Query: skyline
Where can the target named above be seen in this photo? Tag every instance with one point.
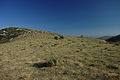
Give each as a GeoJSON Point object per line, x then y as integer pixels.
{"type": "Point", "coordinates": [68, 17]}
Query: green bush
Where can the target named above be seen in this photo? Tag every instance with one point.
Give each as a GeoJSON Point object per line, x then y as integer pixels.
{"type": "Point", "coordinates": [56, 38]}
{"type": "Point", "coordinates": [61, 37]}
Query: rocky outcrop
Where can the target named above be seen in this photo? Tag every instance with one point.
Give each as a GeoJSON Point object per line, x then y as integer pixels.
{"type": "Point", "coordinates": [10, 33]}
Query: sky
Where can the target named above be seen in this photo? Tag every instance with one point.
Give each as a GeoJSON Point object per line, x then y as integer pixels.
{"type": "Point", "coordinates": [92, 18]}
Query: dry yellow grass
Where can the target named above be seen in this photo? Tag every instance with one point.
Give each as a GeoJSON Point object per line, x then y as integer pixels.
{"type": "Point", "coordinates": [78, 58]}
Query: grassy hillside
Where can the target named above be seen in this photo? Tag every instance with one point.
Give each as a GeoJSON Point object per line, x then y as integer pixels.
{"type": "Point", "coordinates": [40, 55]}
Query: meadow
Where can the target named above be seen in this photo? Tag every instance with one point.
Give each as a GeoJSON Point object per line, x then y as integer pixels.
{"type": "Point", "coordinates": [40, 55]}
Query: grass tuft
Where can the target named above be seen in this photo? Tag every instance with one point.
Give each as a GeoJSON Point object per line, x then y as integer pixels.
{"type": "Point", "coordinates": [50, 63]}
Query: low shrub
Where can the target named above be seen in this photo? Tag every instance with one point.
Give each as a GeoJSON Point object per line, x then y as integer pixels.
{"type": "Point", "coordinates": [56, 38]}
{"type": "Point", "coordinates": [61, 37]}
{"type": "Point", "coordinates": [49, 63]}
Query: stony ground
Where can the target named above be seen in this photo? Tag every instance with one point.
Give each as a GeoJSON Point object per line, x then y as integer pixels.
{"type": "Point", "coordinates": [40, 56]}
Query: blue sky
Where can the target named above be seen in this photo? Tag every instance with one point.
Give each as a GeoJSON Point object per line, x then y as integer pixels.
{"type": "Point", "coordinates": [92, 18]}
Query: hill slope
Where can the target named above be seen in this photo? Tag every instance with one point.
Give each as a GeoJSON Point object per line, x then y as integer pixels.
{"type": "Point", "coordinates": [39, 55]}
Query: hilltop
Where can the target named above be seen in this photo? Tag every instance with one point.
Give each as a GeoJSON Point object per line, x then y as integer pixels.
{"type": "Point", "coordinates": [8, 34]}
{"type": "Point", "coordinates": [27, 54]}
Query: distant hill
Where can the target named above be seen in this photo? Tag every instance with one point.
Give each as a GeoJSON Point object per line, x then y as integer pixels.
{"type": "Point", "coordinates": [114, 39]}
{"type": "Point", "coordinates": [105, 37]}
